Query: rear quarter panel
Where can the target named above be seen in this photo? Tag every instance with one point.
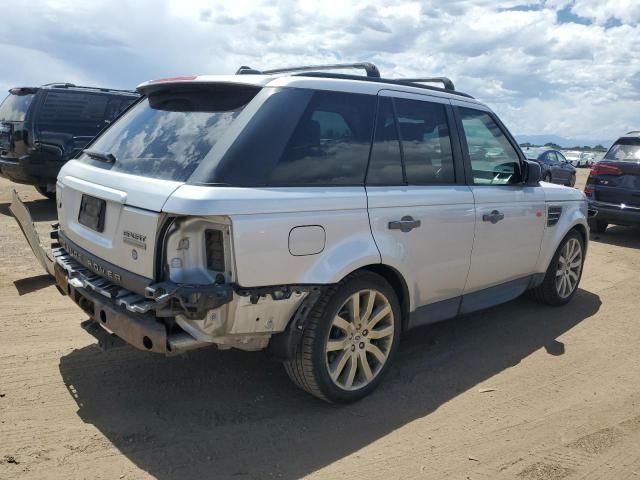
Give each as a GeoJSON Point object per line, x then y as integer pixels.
{"type": "Point", "coordinates": [262, 220]}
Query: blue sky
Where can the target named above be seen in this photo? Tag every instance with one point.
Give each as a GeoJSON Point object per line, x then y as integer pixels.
{"type": "Point", "coordinates": [570, 68]}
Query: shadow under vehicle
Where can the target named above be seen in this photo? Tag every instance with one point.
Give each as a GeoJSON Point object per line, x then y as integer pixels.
{"type": "Point", "coordinates": [233, 415]}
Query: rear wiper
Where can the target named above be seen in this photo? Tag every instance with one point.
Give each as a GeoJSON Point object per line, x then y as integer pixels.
{"type": "Point", "coordinates": [103, 156]}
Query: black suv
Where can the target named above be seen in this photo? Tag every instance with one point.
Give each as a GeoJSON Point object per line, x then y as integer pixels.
{"type": "Point", "coordinates": [43, 127]}
{"type": "Point", "coordinates": [613, 186]}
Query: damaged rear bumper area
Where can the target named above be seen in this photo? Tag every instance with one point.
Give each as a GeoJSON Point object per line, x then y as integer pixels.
{"type": "Point", "coordinates": [143, 322]}
{"type": "Point", "coordinates": [117, 313]}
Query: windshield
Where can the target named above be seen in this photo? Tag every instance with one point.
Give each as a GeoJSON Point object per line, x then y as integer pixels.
{"type": "Point", "coordinates": [625, 149]}
{"type": "Point", "coordinates": [169, 132]}
{"type": "Point", "coordinates": [14, 108]}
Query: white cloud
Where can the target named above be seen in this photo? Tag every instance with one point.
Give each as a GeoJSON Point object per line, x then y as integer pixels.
{"type": "Point", "coordinates": [539, 74]}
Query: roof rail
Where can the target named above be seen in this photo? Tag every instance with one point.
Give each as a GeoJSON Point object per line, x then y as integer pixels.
{"type": "Point", "coordinates": [370, 69]}
{"type": "Point", "coordinates": [72, 85]}
{"type": "Point", "coordinates": [633, 132]}
{"type": "Point", "coordinates": [446, 82]}
{"type": "Point", "coordinates": [59, 84]}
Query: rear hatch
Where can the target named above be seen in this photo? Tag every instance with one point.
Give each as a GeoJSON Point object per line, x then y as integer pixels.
{"type": "Point", "coordinates": [616, 179]}
{"type": "Point", "coordinates": [111, 197]}
{"type": "Point", "coordinates": [13, 113]}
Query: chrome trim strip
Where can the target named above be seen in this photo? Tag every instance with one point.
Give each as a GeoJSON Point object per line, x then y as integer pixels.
{"type": "Point", "coordinates": [618, 206]}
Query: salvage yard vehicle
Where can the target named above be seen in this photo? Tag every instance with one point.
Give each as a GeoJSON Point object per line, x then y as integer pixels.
{"type": "Point", "coordinates": [316, 215]}
{"type": "Point", "coordinates": [613, 186]}
{"type": "Point", "coordinates": [43, 127]}
{"type": "Point", "coordinates": [556, 168]}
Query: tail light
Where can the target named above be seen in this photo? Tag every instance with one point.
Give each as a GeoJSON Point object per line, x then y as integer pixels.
{"type": "Point", "coordinates": [588, 190]}
{"type": "Point", "coordinates": [600, 169]}
{"type": "Point", "coordinates": [197, 251]}
{"type": "Point", "coordinates": [214, 245]}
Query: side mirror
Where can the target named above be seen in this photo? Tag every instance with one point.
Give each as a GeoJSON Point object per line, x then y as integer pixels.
{"type": "Point", "coordinates": [532, 173]}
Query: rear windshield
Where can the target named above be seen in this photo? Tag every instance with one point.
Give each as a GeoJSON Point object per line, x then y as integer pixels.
{"type": "Point", "coordinates": [14, 108]}
{"type": "Point", "coordinates": [169, 132]}
{"type": "Point", "coordinates": [625, 149]}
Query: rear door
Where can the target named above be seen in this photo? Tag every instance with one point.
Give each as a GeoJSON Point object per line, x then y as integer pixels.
{"type": "Point", "coordinates": [509, 215]}
{"type": "Point", "coordinates": [421, 213]}
{"type": "Point", "coordinates": [565, 167]}
{"type": "Point", "coordinates": [557, 175]}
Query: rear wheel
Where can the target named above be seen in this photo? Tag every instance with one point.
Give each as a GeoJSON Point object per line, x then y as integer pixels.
{"type": "Point", "coordinates": [572, 181]}
{"type": "Point", "coordinates": [563, 275]}
{"type": "Point", "coordinates": [597, 226]}
{"type": "Point", "coordinates": [349, 341]}
{"type": "Point", "coordinates": [42, 190]}
{"type": "Point", "coordinates": [547, 178]}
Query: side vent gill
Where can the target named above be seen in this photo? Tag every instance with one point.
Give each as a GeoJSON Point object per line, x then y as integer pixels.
{"type": "Point", "coordinates": [553, 214]}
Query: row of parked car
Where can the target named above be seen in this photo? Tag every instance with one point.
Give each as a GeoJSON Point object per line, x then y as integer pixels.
{"type": "Point", "coordinates": [613, 185]}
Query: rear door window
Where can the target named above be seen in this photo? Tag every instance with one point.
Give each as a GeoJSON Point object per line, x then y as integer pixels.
{"type": "Point", "coordinates": [14, 108]}
{"type": "Point", "coordinates": [330, 144]}
{"type": "Point", "coordinates": [426, 145]}
{"type": "Point", "coordinates": [167, 134]}
{"type": "Point", "coordinates": [494, 161]}
{"type": "Point", "coordinates": [69, 109]}
{"type": "Point", "coordinates": [116, 105]}
{"type": "Point", "coordinates": [385, 165]}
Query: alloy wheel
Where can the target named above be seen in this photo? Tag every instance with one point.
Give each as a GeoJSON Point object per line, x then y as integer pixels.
{"type": "Point", "coordinates": [360, 339]}
{"type": "Point", "coordinates": [569, 268]}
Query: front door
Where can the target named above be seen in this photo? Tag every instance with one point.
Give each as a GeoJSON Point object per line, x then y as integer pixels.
{"type": "Point", "coordinates": [509, 215]}
{"type": "Point", "coordinates": [421, 213]}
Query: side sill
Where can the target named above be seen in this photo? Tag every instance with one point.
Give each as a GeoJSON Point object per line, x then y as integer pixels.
{"type": "Point", "coordinates": [434, 312]}
{"type": "Point", "coordinates": [494, 295]}
{"type": "Point", "coordinates": [471, 302]}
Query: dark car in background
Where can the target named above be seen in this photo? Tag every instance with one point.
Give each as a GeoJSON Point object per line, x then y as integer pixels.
{"type": "Point", "coordinates": [43, 127]}
{"type": "Point", "coordinates": [613, 186]}
{"type": "Point", "coordinates": [556, 168]}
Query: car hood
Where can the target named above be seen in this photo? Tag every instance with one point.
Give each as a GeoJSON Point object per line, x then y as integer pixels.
{"type": "Point", "coordinates": [559, 193]}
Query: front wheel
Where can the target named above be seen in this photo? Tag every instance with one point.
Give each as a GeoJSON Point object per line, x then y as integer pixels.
{"type": "Point", "coordinates": [349, 341]}
{"type": "Point", "coordinates": [547, 178]}
{"type": "Point", "coordinates": [563, 275]}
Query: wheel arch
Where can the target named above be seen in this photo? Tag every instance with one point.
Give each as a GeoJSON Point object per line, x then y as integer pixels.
{"type": "Point", "coordinates": [584, 234]}
{"type": "Point", "coordinates": [399, 285]}
{"type": "Point", "coordinates": [282, 345]}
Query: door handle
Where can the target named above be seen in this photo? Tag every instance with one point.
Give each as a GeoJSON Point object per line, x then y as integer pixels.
{"type": "Point", "coordinates": [405, 224]}
{"type": "Point", "coordinates": [493, 217]}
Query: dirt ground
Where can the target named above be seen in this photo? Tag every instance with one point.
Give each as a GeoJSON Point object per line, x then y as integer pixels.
{"type": "Point", "coordinates": [564, 399]}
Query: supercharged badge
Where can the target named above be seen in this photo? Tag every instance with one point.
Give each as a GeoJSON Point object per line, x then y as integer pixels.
{"type": "Point", "coordinates": [133, 238]}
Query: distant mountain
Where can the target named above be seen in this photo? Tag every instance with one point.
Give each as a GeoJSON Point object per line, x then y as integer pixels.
{"type": "Point", "coordinates": [563, 142]}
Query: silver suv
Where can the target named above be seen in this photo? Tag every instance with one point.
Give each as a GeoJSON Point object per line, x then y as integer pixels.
{"type": "Point", "coordinates": [319, 216]}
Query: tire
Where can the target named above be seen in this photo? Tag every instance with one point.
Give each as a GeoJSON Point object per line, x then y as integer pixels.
{"type": "Point", "coordinates": [547, 178]}
{"type": "Point", "coordinates": [597, 226]}
{"type": "Point", "coordinates": [42, 190]}
{"type": "Point", "coordinates": [331, 320]}
{"type": "Point", "coordinates": [572, 181]}
{"type": "Point", "coordinates": [551, 290]}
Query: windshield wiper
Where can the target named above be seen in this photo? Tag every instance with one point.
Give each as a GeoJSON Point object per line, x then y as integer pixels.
{"type": "Point", "coordinates": [103, 156]}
